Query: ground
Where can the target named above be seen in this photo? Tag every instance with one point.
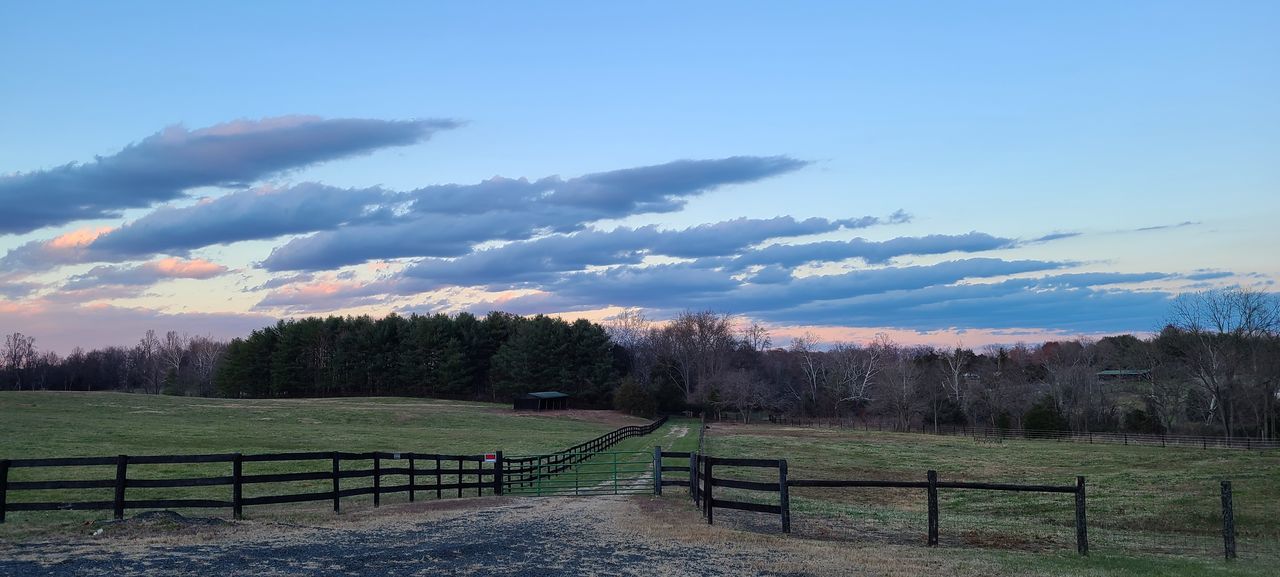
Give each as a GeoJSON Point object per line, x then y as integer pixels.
{"type": "Point", "coordinates": [547, 536]}
{"type": "Point", "coordinates": [1142, 501]}
{"type": "Point", "coordinates": [1153, 511]}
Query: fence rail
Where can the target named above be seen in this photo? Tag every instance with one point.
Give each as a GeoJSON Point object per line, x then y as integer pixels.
{"type": "Point", "coordinates": [453, 475]}
{"type": "Point", "coordinates": [999, 434]}
{"type": "Point", "coordinates": [525, 471]}
{"type": "Point", "coordinates": [483, 475]}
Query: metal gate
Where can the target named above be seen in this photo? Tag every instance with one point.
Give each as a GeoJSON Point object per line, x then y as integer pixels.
{"type": "Point", "coordinates": [599, 473]}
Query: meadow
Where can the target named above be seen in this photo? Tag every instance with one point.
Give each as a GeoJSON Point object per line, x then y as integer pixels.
{"type": "Point", "coordinates": [1148, 507]}
{"type": "Point", "coordinates": [58, 424]}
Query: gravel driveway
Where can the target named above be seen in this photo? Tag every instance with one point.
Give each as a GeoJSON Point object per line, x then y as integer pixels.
{"type": "Point", "coordinates": [511, 536]}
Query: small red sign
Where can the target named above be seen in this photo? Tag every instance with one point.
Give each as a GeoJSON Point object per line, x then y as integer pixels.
{"type": "Point", "coordinates": [491, 457]}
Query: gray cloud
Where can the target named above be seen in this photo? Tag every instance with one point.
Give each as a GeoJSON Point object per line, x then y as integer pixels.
{"type": "Point", "coordinates": [447, 220]}
{"type": "Point", "coordinates": [241, 215]}
{"type": "Point", "coordinates": [875, 252]}
{"type": "Point", "coordinates": [164, 165]}
{"type": "Point", "coordinates": [539, 260]}
{"type": "Point", "coordinates": [144, 274]}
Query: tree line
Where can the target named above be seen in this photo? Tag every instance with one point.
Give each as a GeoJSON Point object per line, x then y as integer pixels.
{"type": "Point", "coordinates": [459, 356]}
{"type": "Point", "coordinates": [1213, 369]}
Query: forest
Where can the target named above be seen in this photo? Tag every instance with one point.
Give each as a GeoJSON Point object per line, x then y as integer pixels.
{"type": "Point", "coordinates": [1214, 368]}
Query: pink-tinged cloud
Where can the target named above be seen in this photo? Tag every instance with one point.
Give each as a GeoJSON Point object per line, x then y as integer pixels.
{"type": "Point", "coordinates": [180, 268]}
{"type": "Point", "coordinates": [41, 255]}
{"type": "Point", "coordinates": [60, 328]}
{"type": "Point", "coordinates": [145, 274]}
{"type": "Point", "coordinates": [325, 295]}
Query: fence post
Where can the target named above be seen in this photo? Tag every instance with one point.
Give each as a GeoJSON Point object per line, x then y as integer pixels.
{"type": "Point", "coordinates": [497, 474]}
{"type": "Point", "coordinates": [237, 487]}
{"type": "Point", "coordinates": [438, 478]}
{"type": "Point", "coordinates": [122, 463]}
{"type": "Point", "coordinates": [933, 508]}
{"type": "Point", "coordinates": [693, 476]}
{"type": "Point", "coordinates": [706, 490]}
{"type": "Point", "coordinates": [1082, 528]}
{"type": "Point", "coordinates": [412, 477]}
{"type": "Point", "coordinates": [459, 477]}
{"type": "Point", "coordinates": [1228, 522]}
{"type": "Point", "coordinates": [377, 479]}
{"type": "Point", "coordinates": [657, 470]}
{"type": "Point", "coordinates": [784, 496]}
{"type": "Point", "coordinates": [4, 486]}
{"type": "Point", "coordinates": [336, 459]}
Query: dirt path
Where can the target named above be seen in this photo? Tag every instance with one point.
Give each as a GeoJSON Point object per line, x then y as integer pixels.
{"type": "Point", "coordinates": [532, 536]}
{"type": "Point", "coordinates": [546, 537]}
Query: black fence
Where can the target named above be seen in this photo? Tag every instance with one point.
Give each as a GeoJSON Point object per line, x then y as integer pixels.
{"type": "Point", "coordinates": [411, 473]}
{"type": "Point", "coordinates": [525, 471]}
{"type": "Point", "coordinates": [463, 472]}
{"type": "Point", "coordinates": [999, 434]}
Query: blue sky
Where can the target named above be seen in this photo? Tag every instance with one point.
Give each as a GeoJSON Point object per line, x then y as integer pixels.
{"type": "Point", "coordinates": [991, 124]}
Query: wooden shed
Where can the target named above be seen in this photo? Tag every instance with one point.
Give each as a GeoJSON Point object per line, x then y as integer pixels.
{"type": "Point", "coordinates": [543, 401]}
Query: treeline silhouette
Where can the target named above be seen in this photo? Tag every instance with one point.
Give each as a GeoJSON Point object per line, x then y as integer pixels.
{"type": "Point", "coordinates": [459, 356]}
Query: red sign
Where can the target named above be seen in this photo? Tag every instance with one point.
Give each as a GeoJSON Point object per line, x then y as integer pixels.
{"type": "Point", "coordinates": [491, 457]}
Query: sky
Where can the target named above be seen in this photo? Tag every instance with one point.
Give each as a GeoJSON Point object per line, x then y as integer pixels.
{"type": "Point", "coordinates": [979, 172]}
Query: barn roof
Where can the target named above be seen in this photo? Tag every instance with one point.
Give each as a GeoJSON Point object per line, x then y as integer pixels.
{"type": "Point", "coordinates": [546, 395]}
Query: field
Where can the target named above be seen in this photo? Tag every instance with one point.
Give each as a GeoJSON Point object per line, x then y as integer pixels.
{"type": "Point", "coordinates": [1152, 511]}
{"type": "Point", "coordinates": [47, 424]}
{"type": "Point", "coordinates": [1147, 506]}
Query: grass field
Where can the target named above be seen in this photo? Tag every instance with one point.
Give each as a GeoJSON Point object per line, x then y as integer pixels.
{"type": "Point", "coordinates": [1149, 508]}
{"type": "Point", "coordinates": [46, 424]}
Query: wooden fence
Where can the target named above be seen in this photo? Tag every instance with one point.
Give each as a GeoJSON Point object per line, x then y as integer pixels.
{"type": "Point", "coordinates": [451, 473]}
{"type": "Point", "coordinates": [524, 471]}
{"type": "Point", "coordinates": [483, 475]}
{"type": "Point", "coordinates": [1000, 434]}
{"type": "Point", "coordinates": [700, 477]}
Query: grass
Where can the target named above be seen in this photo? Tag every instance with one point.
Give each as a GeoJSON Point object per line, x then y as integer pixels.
{"type": "Point", "coordinates": [1150, 509]}
{"type": "Point", "coordinates": [49, 424]}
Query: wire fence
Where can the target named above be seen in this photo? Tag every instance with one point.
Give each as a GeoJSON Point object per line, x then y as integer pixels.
{"type": "Point", "coordinates": [999, 434]}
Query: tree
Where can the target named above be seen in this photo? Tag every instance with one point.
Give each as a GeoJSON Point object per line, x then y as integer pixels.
{"type": "Point", "coordinates": [19, 355]}
{"type": "Point", "coordinates": [1219, 337]}
{"type": "Point", "coordinates": [697, 347]}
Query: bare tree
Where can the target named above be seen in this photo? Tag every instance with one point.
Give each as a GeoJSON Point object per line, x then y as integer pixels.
{"type": "Point", "coordinates": [19, 355]}
{"type": "Point", "coordinates": [757, 337]}
{"type": "Point", "coordinates": [812, 366]}
{"type": "Point", "coordinates": [205, 354]}
{"type": "Point", "coordinates": [148, 363]}
{"type": "Point", "coordinates": [172, 350]}
{"type": "Point", "coordinates": [854, 369]}
{"type": "Point", "coordinates": [1219, 335]}
{"type": "Point", "coordinates": [901, 379]}
{"type": "Point", "coordinates": [633, 331]}
{"type": "Point", "coordinates": [698, 346]}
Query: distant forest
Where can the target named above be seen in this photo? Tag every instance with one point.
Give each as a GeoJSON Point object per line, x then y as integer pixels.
{"type": "Point", "coordinates": [1213, 369]}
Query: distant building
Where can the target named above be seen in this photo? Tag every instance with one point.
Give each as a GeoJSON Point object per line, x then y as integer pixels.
{"type": "Point", "coordinates": [543, 401]}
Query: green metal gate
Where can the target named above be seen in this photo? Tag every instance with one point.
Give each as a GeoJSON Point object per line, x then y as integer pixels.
{"type": "Point", "coordinates": [599, 473]}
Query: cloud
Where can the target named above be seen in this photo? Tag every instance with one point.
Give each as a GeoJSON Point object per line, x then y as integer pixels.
{"type": "Point", "coordinates": [540, 259]}
{"type": "Point", "coordinates": [448, 220]}
{"type": "Point", "coordinates": [1053, 236]}
{"type": "Point", "coordinates": [62, 326]}
{"type": "Point", "coordinates": [164, 165]}
{"type": "Point", "coordinates": [145, 274]}
{"type": "Point", "coordinates": [1182, 224]}
{"type": "Point", "coordinates": [874, 252]}
{"type": "Point", "coordinates": [40, 255]}
{"type": "Point", "coordinates": [242, 215]}
{"type": "Point", "coordinates": [686, 285]}
{"type": "Point", "coordinates": [14, 290]}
